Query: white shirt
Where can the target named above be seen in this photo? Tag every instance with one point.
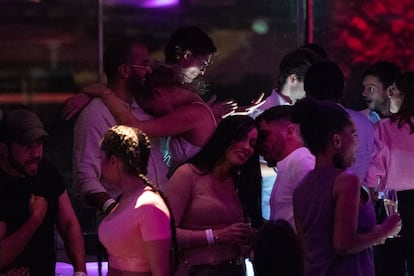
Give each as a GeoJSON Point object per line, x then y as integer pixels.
{"type": "Point", "coordinates": [274, 99]}
{"type": "Point", "coordinates": [92, 123]}
{"type": "Point", "coordinates": [290, 172]}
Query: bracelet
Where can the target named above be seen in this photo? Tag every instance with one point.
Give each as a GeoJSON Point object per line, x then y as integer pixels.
{"type": "Point", "coordinates": [80, 273]}
{"type": "Point", "coordinates": [209, 236]}
{"type": "Point", "coordinates": [106, 205]}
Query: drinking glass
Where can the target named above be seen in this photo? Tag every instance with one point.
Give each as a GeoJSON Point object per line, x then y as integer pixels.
{"type": "Point", "coordinates": [390, 203]}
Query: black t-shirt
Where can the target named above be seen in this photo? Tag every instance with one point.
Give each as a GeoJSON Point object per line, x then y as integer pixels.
{"type": "Point", "coordinates": [39, 255]}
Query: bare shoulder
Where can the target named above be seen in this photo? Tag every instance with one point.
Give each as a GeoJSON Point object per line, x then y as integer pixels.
{"type": "Point", "coordinates": [346, 181]}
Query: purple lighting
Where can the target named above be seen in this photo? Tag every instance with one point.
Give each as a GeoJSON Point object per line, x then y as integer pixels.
{"type": "Point", "coordinates": [144, 3]}
{"type": "Point", "coordinates": [158, 3]}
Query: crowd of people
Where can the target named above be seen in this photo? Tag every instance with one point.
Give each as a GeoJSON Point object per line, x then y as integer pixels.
{"type": "Point", "coordinates": [184, 185]}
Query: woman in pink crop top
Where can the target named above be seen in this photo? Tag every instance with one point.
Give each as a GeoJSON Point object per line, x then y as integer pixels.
{"type": "Point", "coordinates": [137, 232]}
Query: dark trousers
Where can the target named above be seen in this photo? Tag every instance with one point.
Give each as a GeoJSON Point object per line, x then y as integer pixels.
{"type": "Point", "coordinates": [218, 270]}
{"type": "Point", "coordinates": [396, 256]}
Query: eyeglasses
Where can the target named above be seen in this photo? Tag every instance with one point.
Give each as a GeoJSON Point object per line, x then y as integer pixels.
{"type": "Point", "coordinates": [146, 67]}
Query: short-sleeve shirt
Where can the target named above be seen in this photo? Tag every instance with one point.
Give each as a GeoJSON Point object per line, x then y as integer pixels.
{"type": "Point", "coordinates": [39, 254]}
{"type": "Point", "coordinates": [123, 233]}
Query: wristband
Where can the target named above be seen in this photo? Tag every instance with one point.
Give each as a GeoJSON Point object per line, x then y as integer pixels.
{"type": "Point", "coordinates": [80, 273]}
{"type": "Point", "coordinates": [209, 236]}
{"type": "Point", "coordinates": [106, 205]}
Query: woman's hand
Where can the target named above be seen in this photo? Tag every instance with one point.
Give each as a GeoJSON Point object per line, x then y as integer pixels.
{"type": "Point", "coordinates": [249, 109]}
{"type": "Point", "coordinates": [391, 225]}
{"type": "Point", "coordinates": [221, 109]}
{"type": "Point", "coordinates": [236, 234]}
{"type": "Point", "coordinates": [96, 90]}
{"type": "Point", "coordinates": [74, 105]}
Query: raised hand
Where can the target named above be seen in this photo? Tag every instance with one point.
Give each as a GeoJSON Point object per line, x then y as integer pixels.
{"type": "Point", "coordinates": [38, 207]}
{"type": "Point", "coordinates": [221, 109]}
{"type": "Point", "coordinates": [248, 109]}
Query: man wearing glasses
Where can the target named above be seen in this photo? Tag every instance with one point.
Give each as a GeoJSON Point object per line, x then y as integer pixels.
{"type": "Point", "coordinates": [126, 65]}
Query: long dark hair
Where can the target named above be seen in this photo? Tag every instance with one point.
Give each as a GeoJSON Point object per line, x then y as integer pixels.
{"type": "Point", "coordinates": [247, 177]}
{"type": "Point", "coordinates": [132, 146]}
{"type": "Point", "coordinates": [405, 84]}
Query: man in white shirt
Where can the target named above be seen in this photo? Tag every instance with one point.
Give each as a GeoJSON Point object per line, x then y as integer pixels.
{"type": "Point", "coordinates": [289, 89]}
{"type": "Point", "coordinates": [282, 146]}
{"type": "Point", "coordinates": [126, 64]}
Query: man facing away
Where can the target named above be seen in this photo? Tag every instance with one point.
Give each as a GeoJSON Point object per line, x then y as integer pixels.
{"type": "Point", "coordinates": [292, 70]}
{"type": "Point", "coordinates": [33, 200]}
{"type": "Point", "coordinates": [126, 64]}
{"type": "Point", "coordinates": [325, 81]}
{"type": "Point", "coordinates": [281, 145]}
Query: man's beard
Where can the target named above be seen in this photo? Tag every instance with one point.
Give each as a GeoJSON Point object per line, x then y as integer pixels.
{"type": "Point", "coordinates": [134, 84]}
{"type": "Point", "coordinates": [23, 168]}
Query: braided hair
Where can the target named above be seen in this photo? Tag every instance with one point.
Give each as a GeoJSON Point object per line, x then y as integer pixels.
{"type": "Point", "coordinates": [132, 146]}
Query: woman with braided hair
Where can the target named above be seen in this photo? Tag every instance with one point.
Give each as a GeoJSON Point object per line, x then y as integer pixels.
{"type": "Point", "coordinates": [137, 233]}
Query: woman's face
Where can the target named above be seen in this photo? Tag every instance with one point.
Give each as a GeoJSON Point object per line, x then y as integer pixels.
{"type": "Point", "coordinates": [349, 146]}
{"type": "Point", "coordinates": [396, 98]}
{"type": "Point", "coordinates": [107, 170]}
{"type": "Point", "coordinates": [193, 66]}
{"type": "Point", "coordinates": [240, 151]}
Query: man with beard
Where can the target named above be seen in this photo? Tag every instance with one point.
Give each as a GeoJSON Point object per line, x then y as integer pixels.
{"type": "Point", "coordinates": [377, 82]}
{"type": "Point", "coordinates": [126, 64]}
{"type": "Point", "coordinates": [281, 145]}
{"type": "Point", "coordinates": [33, 200]}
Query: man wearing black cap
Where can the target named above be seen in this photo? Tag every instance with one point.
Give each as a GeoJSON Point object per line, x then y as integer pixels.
{"type": "Point", "coordinates": [33, 200]}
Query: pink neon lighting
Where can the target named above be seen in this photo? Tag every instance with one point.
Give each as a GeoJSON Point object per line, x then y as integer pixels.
{"type": "Point", "coordinates": [144, 3]}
